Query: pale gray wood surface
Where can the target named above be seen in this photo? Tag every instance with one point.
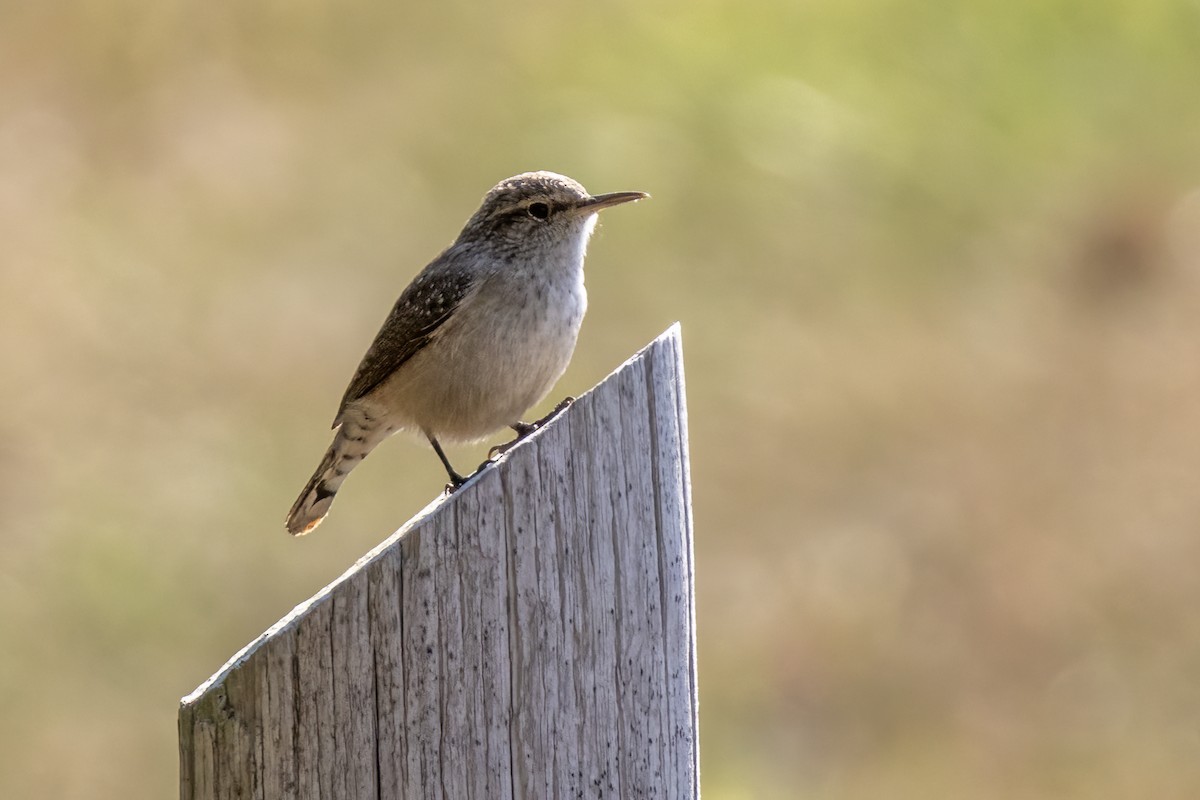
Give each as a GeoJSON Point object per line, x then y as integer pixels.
{"type": "Point", "coordinates": [532, 636]}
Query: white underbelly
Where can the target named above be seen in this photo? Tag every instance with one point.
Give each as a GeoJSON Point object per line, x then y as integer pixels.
{"type": "Point", "coordinates": [485, 367]}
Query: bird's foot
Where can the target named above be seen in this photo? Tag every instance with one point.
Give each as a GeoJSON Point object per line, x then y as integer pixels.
{"type": "Point", "coordinates": [562, 406]}
{"type": "Point", "coordinates": [456, 481]}
{"type": "Point", "coordinates": [500, 449]}
{"type": "Point", "coordinates": [523, 430]}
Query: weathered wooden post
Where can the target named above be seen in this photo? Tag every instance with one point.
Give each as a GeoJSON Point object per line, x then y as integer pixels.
{"type": "Point", "coordinates": [531, 636]}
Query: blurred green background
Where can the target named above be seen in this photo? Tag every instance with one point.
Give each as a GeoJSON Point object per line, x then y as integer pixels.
{"type": "Point", "coordinates": [937, 266]}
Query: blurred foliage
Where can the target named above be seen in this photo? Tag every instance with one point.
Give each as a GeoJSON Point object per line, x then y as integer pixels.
{"type": "Point", "coordinates": [937, 266]}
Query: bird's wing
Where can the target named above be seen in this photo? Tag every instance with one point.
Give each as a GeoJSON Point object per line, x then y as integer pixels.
{"type": "Point", "coordinates": [423, 307]}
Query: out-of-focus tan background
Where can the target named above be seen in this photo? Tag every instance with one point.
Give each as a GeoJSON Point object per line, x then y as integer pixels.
{"type": "Point", "coordinates": [937, 266]}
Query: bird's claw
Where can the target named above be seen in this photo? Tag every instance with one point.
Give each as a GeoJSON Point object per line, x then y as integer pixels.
{"type": "Point", "coordinates": [500, 449]}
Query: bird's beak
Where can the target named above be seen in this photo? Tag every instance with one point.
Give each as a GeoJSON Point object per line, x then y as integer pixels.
{"type": "Point", "coordinates": [603, 201]}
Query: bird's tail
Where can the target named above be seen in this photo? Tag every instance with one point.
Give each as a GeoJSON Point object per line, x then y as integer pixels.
{"type": "Point", "coordinates": [350, 445]}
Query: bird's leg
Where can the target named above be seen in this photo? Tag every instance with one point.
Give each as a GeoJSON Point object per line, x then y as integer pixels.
{"type": "Point", "coordinates": [456, 480]}
{"type": "Point", "coordinates": [523, 429]}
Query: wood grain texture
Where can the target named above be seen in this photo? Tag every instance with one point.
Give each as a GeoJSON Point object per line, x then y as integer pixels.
{"type": "Point", "coordinates": [531, 636]}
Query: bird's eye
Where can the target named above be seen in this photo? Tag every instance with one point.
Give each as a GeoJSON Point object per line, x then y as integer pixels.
{"type": "Point", "coordinates": [539, 210]}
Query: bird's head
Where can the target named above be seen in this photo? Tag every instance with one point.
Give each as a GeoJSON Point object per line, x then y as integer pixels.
{"type": "Point", "coordinates": [537, 210]}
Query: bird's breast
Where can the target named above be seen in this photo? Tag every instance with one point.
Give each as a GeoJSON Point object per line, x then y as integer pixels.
{"type": "Point", "coordinates": [498, 355]}
{"type": "Point", "coordinates": [536, 313]}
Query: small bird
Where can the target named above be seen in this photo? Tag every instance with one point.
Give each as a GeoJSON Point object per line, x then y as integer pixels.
{"type": "Point", "coordinates": [478, 337]}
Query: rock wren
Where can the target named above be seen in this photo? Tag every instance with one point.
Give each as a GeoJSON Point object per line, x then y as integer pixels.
{"type": "Point", "coordinates": [478, 337]}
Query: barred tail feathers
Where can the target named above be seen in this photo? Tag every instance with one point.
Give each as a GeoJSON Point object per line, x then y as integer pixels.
{"type": "Point", "coordinates": [313, 503]}
{"type": "Point", "coordinates": [350, 445]}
